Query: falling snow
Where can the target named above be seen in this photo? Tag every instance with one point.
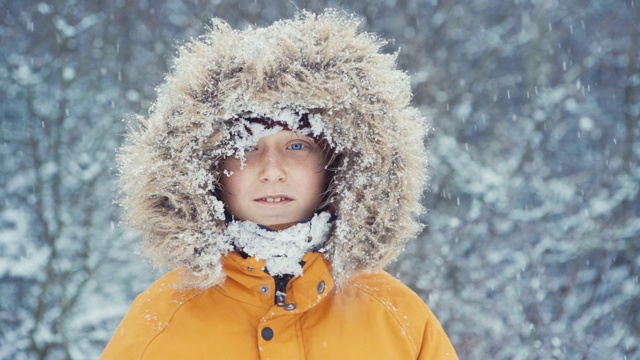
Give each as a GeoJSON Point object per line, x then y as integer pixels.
{"type": "Point", "coordinates": [531, 248]}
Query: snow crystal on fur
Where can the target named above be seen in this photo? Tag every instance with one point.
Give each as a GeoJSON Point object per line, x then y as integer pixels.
{"type": "Point", "coordinates": [320, 65]}
{"type": "Point", "coordinates": [282, 250]}
{"type": "Point", "coordinates": [244, 133]}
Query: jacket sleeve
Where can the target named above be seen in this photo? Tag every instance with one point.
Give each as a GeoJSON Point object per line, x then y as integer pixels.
{"type": "Point", "coordinates": [435, 343]}
{"type": "Point", "coordinates": [133, 334]}
{"type": "Point", "coordinates": [149, 314]}
{"type": "Point", "coordinates": [421, 329]}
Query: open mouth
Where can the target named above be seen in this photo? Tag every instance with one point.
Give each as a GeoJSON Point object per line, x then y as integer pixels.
{"type": "Point", "coordinates": [273, 199]}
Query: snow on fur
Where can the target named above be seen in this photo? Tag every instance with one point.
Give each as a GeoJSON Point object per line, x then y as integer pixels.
{"type": "Point", "coordinates": [282, 250]}
{"type": "Point", "coordinates": [320, 65]}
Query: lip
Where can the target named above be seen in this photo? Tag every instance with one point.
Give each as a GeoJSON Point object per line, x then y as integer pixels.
{"type": "Point", "coordinates": [273, 199]}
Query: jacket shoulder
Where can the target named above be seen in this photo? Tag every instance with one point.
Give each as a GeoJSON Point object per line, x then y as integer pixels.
{"type": "Point", "coordinates": [397, 298]}
{"type": "Point", "coordinates": [149, 314]}
{"type": "Point", "coordinates": [413, 316]}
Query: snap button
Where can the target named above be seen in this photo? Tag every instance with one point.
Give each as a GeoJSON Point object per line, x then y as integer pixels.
{"type": "Point", "coordinates": [264, 289]}
{"type": "Point", "coordinates": [320, 287]}
{"type": "Point", "coordinates": [289, 306]}
{"type": "Point", "coordinates": [249, 268]}
{"type": "Point", "coordinates": [267, 333]}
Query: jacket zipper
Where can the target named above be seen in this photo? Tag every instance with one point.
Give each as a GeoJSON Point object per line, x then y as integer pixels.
{"type": "Point", "coordinates": [281, 288]}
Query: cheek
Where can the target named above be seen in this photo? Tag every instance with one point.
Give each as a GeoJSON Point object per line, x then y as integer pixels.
{"type": "Point", "coordinates": [316, 181]}
{"type": "Point", "coordinates": [316, 172]}
{"type": "Point", "coordinates": [231, 183]}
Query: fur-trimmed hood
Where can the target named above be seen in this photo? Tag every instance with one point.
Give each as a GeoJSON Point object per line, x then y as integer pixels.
{"type": "Point", "coordinates": [319, 65]}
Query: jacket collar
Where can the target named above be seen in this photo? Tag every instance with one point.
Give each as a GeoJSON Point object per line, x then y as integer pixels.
{"type": "Point", "coordinates": [248, 282]}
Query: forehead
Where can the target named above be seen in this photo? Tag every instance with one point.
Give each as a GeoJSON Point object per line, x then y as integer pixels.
{"type": "Point", "coordinates": [283, 135]}
{"type": "Point", "coordinates": [244, 133]}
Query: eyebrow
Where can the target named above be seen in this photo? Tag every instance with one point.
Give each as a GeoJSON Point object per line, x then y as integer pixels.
{"type": "Point", "coordinates": [303, 137]}
{"type": "Point", "coordinates": [298, 135]}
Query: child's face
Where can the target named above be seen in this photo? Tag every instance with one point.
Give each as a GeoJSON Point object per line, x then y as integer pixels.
{"type": "Point", "coordinates": [283, 180]}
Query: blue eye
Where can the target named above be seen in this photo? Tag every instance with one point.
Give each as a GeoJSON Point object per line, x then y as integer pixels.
{"type": "Point", "coordinates": [296, 146]}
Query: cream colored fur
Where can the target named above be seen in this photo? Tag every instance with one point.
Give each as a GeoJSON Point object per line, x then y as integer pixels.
{"type": "Point", "coordinates": [318, 64]}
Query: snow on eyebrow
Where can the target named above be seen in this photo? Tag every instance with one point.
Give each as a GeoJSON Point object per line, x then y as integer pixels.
{"type": "Point", "coordinates": [244, 133]}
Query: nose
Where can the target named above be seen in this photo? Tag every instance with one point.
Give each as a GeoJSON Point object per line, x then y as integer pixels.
{"type": "Point", "coordinates": [272, 168]}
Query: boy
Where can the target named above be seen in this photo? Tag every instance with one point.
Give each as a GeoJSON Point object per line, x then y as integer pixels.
{"type": "Point", "coordinates": [279, 172]}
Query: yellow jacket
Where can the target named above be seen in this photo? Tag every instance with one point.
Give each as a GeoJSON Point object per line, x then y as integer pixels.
{"type": "Point", "coordinates": [374, 316]}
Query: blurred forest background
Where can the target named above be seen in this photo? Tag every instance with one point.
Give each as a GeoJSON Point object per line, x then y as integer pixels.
{"type": "Point", "coordinates": [532, 244]}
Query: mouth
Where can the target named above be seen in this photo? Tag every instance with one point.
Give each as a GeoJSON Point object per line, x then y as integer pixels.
{"type": "Point", "coordinates": [273, 199]}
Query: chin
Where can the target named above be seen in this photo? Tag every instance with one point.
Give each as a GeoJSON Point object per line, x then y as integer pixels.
{"type": "Point", "coordinates": [276, 220]}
